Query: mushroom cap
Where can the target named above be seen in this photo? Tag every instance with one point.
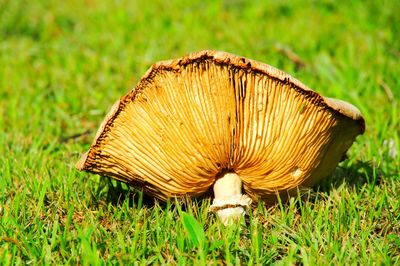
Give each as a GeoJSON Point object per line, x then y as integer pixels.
{"type": "Point", "coordinates": [190, 120]}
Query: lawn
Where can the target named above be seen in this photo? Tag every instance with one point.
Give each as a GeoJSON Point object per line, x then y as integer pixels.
{"type": "Point", "coordinates": [64, 63]}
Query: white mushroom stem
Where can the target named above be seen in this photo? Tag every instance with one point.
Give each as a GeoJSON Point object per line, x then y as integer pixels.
{"type": "Point", "coordinates": [229, 202]}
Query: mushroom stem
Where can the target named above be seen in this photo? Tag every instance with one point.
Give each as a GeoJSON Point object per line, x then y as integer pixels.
{"type": "Point", "coordinates": [229, 202]}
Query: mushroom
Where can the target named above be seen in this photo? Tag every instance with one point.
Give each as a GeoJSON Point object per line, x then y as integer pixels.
{"type": "Point", "coordinates": [215, 119]}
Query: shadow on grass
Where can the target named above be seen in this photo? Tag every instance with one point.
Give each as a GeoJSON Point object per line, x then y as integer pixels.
{"type": "Point", "coordinates": [355, 175]}
{"type": "Point", "coordinates": [116, 193]}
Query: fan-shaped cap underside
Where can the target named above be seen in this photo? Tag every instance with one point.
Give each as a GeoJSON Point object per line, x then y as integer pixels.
{"type": "Point", "coordinates": [192, 119]}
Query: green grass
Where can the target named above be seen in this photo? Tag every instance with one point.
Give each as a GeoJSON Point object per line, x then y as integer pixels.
{"type": "Point", "coordinates": [63, 64]}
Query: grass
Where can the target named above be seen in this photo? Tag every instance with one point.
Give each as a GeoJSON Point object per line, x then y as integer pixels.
{"type": "Point", "coordinates": [63, 64]}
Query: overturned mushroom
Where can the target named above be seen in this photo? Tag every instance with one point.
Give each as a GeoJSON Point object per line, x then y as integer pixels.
{"type": "Point", "coordinates": [216, 119]}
